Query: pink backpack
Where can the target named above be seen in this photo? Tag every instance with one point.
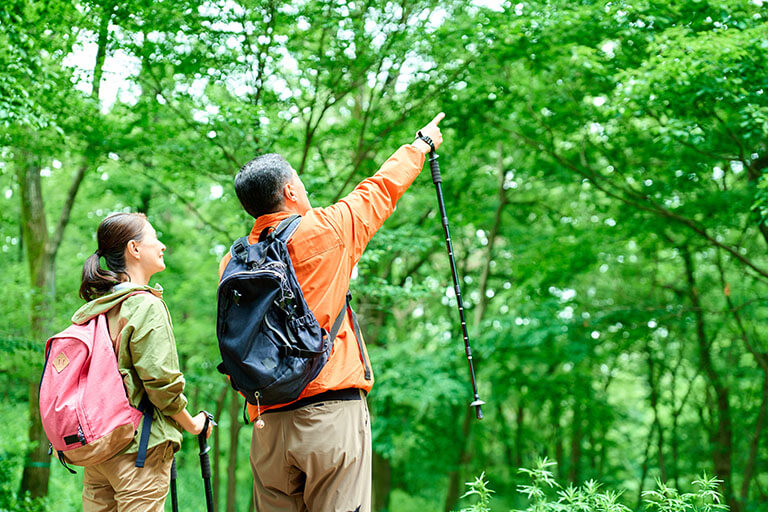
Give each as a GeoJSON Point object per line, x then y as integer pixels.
{"type": "Point", "coordinates": [83, 403]}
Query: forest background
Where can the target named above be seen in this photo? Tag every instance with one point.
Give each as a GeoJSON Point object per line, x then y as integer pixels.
{"type": "Point", "coordinates": [605, 170]}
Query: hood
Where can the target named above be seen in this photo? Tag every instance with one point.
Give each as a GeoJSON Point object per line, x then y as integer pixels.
{"type": "Point", "coordinates": [112, 298]}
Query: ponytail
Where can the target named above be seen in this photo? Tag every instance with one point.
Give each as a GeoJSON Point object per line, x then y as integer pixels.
{"type": "Point", "coordinates": [113, 236]}
{"type": "Point", "coordinates": [96, 280]}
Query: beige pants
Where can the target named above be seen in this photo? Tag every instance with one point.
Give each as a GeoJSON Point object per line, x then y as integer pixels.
{"type": "Point", "coordinates": [118, 485]}
{"type": "Point", "coordinates": [316, 458]}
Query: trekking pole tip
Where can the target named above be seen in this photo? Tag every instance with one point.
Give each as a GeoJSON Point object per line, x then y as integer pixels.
{"type": "Point", "coordinates": [478, 410]}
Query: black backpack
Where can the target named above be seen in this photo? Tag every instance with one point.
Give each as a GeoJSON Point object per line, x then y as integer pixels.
{"type": "Point", "coordinates": [271, 343]}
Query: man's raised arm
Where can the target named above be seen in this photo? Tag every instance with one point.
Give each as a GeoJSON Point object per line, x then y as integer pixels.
{"type": "Point", "coordinates": [361, 213]}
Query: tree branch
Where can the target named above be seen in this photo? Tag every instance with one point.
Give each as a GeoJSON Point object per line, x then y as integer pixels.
{"type": "Point", "coordinates": [187, 203]}
{"type": "Point", "coordinates": [66, 211]}
{"type": "Point", "coordinates": [648, 206]}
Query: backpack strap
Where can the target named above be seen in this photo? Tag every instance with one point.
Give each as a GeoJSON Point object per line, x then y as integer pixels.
{"type": "Point", "coordinates": [116, 343]}
{"type": "Point", "coordinates": [47, 355]}
{"type": "Point", "coordinates": [61, 460]}
{"type": "Point", "coordinates": [145, 406]}
{"type": "Point", "coordinates": [282, 231]}
{"type": "Point", "coordinates": [339, 319]}
{"type": "Point", "coordinates": [286, 228]}
{"type": "Point", "coordinates": [359, 337]}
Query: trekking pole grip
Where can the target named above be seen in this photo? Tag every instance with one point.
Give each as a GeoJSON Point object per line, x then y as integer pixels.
{"type": "Point", "coordinates": [205, 466]}
{"type": "Point", "coordinates": [434, 167]}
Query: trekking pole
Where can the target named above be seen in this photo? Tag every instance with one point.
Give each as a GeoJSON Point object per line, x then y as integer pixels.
{"type": "Point", "coordinates": [174, 495]}
{"type": "Point", "coordinates": [205, 463]}
{"type": "Point", "coordinates": [437, 180]}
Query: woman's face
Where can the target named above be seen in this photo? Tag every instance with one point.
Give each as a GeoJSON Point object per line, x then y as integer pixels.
{"type": "Point", "coordinates": [150, 251]}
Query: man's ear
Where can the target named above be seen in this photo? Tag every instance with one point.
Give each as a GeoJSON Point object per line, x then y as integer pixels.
{"type": "Point", "coordinates": [289, 193]}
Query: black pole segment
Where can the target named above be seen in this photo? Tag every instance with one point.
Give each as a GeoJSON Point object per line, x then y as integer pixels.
{"type": "Point", "coordinates": [437, 180]}
{"type": "Point", "coordinates": [174, 494]}
{"type": "Point", "coordinates": [205, 463]}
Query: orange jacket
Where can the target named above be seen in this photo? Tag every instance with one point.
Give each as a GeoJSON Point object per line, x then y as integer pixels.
{"type": "Point", "coordinates": [324, 250]}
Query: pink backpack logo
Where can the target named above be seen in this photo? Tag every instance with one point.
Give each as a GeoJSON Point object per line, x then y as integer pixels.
{"type": "Point", "coordinates": [83, 404]}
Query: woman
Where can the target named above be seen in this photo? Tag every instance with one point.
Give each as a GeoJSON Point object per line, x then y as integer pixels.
{"type": "Point", "coordinates": [140, 328]}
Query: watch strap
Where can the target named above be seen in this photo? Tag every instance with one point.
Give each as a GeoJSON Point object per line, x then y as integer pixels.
{"type": "Point", "coordinates": [426, 139]}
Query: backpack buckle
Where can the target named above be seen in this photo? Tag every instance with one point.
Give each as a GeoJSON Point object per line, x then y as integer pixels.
{"type": "Point", "coordinates": [240, 249]}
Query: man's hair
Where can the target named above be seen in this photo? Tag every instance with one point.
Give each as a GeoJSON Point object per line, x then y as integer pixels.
{"type": "Point", "coordinates": [259, 184]}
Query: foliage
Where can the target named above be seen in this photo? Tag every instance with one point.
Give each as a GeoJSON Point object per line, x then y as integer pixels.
{"type": "Point", "coordinates": [479, 488]}
{"type": "Point", "coordinates": [590, 496]}
{"type": "Point", "coordinates": [706, 498]}
{"type": "Point", "coordinates": [605, 170]}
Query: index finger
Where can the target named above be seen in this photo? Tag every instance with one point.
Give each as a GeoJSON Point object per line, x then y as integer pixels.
{"type": "Point", "coordinates": [439, 117]}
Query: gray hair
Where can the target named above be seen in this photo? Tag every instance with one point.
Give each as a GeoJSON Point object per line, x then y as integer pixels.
{"type": "Point", "coordinates": [259, 184]}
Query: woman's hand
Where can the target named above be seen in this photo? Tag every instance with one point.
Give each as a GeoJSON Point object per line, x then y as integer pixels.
{"type": "Point", "coordinates": [193, 425]}
{"type": "Point", "coordinates": [199, 423]}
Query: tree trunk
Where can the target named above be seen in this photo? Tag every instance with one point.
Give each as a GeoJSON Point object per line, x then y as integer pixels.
{"type": "Point", "coordinates": [557, 435]}
{"type": "Point", "coordinates": [234, 430]}
{"type": "Point", "coordinates": [454, 476]}
{"type": "Point", "coordinates": [603, 454]}
{"type": "Point", "coordinates": [576, 435]}
{"type": "Point", "coordinates": [41, 253]}
{"type": "Point", "coordinates": [382, 482]}
{"type": "Point", "coordinates": [217, 447]}
{"type": "Point", "coordinates": [674, 429]}
{"type": "Point", "coordinates": [519, 428]}
{"type": "Point", "coordinates": [762, 361]}
{"type": "Point", "coordinates": [36, 472]}
{"type": "Point", "coordinates": [506, 436]}
{"type": "Point", "coordinates": [749, 469]}
{"type": "Point", "coordinates": [654, 399]}
{"type": "Point", "coordinates": [722, 436]}
{"type": "Point", "coordinates": [644, 467]}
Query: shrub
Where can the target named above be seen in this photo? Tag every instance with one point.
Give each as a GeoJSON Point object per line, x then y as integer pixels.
{"type": "Point", "coordinates": [545, 494]}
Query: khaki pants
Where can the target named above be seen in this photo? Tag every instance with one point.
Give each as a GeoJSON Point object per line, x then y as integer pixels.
{"type": "Point", "coordinates": [118, 485]}
{"type": "Point", "coordinates": [316, 458]}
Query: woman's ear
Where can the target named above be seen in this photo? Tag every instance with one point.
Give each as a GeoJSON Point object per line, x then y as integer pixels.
{"type": "Point", "coordinates": [132, 249]}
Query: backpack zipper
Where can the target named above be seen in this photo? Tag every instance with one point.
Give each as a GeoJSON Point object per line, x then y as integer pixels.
{"type": "Point", "coordinates": [251, 273]}
{"type": "Point", "coordinates": [256, 272]}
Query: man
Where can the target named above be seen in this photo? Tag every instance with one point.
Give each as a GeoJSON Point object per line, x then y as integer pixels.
{"type": "Point", "coordinates": [315, 453]}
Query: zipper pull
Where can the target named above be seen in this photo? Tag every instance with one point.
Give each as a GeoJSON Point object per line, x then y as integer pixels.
{"type": "Point", "coordinates": [259, 422]}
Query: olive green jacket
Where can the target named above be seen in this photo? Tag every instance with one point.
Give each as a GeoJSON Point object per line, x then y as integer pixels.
{"type": "Point", "coordinates": [140, 327]}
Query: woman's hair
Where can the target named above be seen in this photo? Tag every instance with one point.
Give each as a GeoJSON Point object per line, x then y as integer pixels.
{"type": "Point", "coordinates": [113, 236]}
